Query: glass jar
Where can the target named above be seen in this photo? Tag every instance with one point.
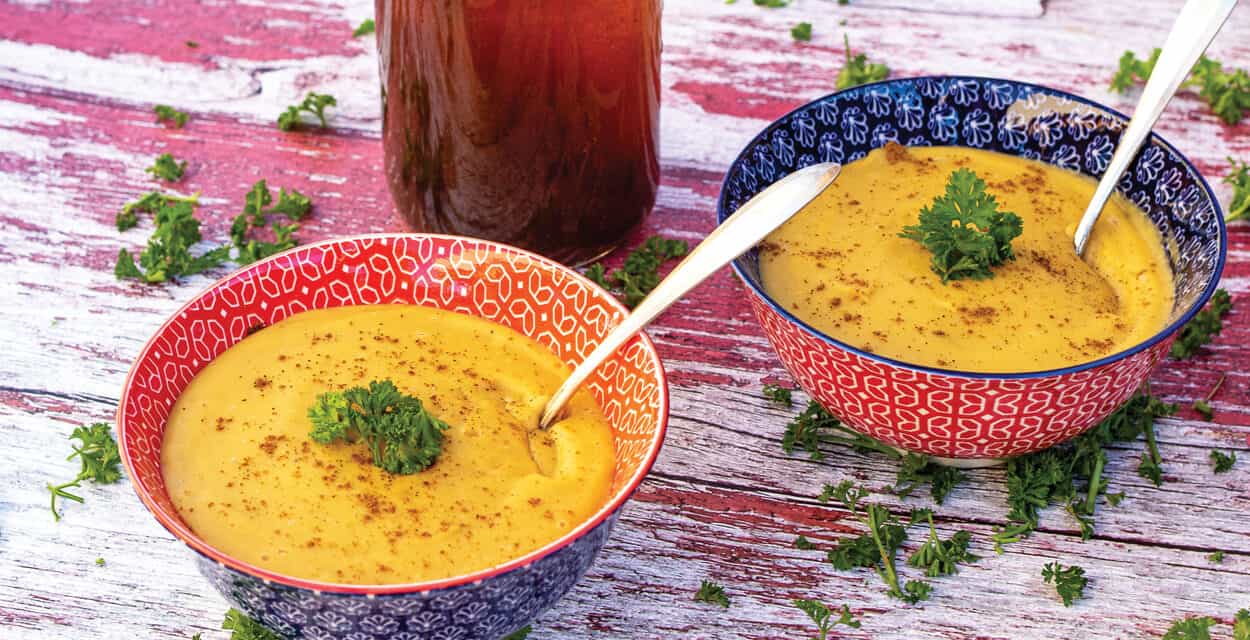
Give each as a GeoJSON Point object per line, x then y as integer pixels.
{"type": "Point", "coordinates": [529, 122]}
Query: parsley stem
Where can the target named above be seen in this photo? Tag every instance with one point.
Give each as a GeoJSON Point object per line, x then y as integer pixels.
{"type": "Point", "coordinates": [1151, 447]}
{"type": "Point", "coordinates": [1218, 383]}
{"type": "Point", "coordinates": [1095, 479]}
{"type": "Point", "coordinates": [887, 557]}
{"type": "Point", "coordinates": [860, 442]}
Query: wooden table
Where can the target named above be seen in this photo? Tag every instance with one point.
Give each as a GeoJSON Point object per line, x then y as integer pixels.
{"type": "Point", "coordinates": [77, 85]}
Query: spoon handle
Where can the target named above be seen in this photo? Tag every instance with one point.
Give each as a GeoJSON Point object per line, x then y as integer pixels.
{"type": "Point", "coordinates": [1195, 27]}
{"type": "Point", "coordinates": [750, 224]}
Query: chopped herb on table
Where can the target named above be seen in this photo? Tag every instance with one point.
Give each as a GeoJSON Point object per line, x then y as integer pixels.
{"type": "Point", "coordinates": [965, 230]}
{"type": "Point", "coordinates": [367, 27]}
{"type": "Point", "coordinates": [802, 32]}
{"type": "Point", "coordinates": [1223, 462]}
{"type": "Point", "coordinates": [779, 395]}
{"type": "Point", "coordinates": [1227, 92]}
{"type": "Point", "coordinates": [1203, 408]}
{"type": "Point", "coordinates": [519, 634]}
{"type": "Point", "coordinates": [941, 557]}
{"type": "Point", "coordinates": [167, 169]}
{"type": "Point", "coordinates": [245, 628]}
{"type": "Point", "coordinates": [1203, 327]}
{"type": "Point", "coordinates": [291, 204]}
{"type": "Point", "coordinates": [166, 113]}
{"type": "Point", "coordinates": [1215, 557]}
{"type": "Point", "coordinates": [803, 544]}
{"type": "Point", "coordinates": [858, 70]}
{"type": "Point", "coordinates": [815, 426]}
{"type": "Point", "coordinates": [168, 252]}
{"type": "Point", "coordinates": [99, 562]}
{"type": "Point", "coordinates": [640, 273]}
{"type": "Point", "coordinates": [823, 617]}
{"type": "Point", "coordinates": [1241, 625]}
{"type": "Point", "coordinates": [314, 103]}
{"type": "Point", "coordinates": [712, 593]}
{"type": "Point", "coordinates": [876, 548]}
{"type": "Point", "coordinates": [403, 437]}
{"type": "Point", "coordinates": [1069, 581]}
{"type": "Point", "coordinates": [100, 463]}
{"type": "Point", "coordinates": [128, 217]}
{"type": "Point", "coordinates": [1190, 629]}
{"type": "Point", "coordinates": [1239, 179]}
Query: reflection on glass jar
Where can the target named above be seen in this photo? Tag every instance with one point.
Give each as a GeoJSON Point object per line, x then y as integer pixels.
{"type": "Point", "coordinates": [533, 123]}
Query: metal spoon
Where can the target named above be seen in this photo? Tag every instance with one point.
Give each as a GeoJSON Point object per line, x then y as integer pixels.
{"type": "Point", "coordinates": [1195, 27]}
{"type": "Point", "coordinates": [744, 229]}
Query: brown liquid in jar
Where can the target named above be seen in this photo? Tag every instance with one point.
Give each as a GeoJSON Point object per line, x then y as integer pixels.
{"type": "Point", "coordinates": [530, 122]}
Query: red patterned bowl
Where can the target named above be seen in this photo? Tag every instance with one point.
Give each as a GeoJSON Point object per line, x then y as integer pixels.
{"type": "Point", "coordinates": [528, 293]}
{"type": "Point", "coordinates": [973, 418]}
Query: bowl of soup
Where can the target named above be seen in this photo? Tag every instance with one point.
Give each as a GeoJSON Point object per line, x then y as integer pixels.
{"type": "Point", "coordinates": [973, 370]}
{"type": "Point", "coordinates": [366, 536]}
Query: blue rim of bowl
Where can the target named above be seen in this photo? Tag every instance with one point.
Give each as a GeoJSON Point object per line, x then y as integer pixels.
{"type": "Point", "coordinates": [1167, 331]}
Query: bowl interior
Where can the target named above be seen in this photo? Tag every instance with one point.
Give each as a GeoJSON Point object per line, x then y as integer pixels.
{"type": "Point", "coordinates": [525, 292]}
{"type": "Point", "coordinates": [998, 115]}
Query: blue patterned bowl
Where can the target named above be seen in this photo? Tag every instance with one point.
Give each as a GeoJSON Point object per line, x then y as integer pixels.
{"type": "Point", "coordinates": [533, 295]}
{"type": "Point", "coordinates": [955, 414]}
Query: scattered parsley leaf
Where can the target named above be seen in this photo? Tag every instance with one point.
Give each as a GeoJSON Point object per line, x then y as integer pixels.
{"type": "Point", "coordinates": [1239, 178]}
{"type": "Point", "coordinates": [639, 275]}
{"type": "Point", "coordinates": [1069, 582]}
{"type": "Point", "coordinates": [1226, 92]}
{"type": "Point", "coordinates": [712, 593]}
{"type": "Point", "coordinates": [167, 169]}
{"type": "Point", "coordinates": [197, 637]}
{"type": "Point", "coordinates": [168, 255]}
{"type": "Point", "coordinates": [823, 617]}
{"type": "Point", "coordinates": [802, 32]}
{"type": "Point", "coordinates": [779, 395]}
{"type": "Point", "coordinates": [915, 591]}
{"type": "Point", "coordinates": [1215, 557]}
{"type": "Point", "coordinates": [166, 113]}
{"type": "Point", "coordinates": [1190, 629]}
{"type": "Point", "coordinates": [940, 558]}
{"type": "Point", "coordinates": [128, 217]}
{"type": "Point", "coordinates": [876, 548]}
{"type": "Point", "coordinates": [403, 437]}
{"type": "Point", "coordinates": [803, 544]}
{"type": "Point", "coordinates": [965, 230]}
{"type": "Point", "coordinates": [1241, 625]}
{"type": "Point", "coordinates": [1203, 327]}
{"type": "Point", "coordinates": [519, 634]}
{"type": "Point", "coordinates": [99, 562]}
{"type": "Point", "coordinates": [857, 70]}
{"type": "Point", "coordinates": [292, 204]}
{"type": "Point", "coordinates": [772, 4]}
{"type": "Point", "coordinates": [245, 628]}
{"type": "Point", "coordinates": [1223, 461]}
{"type": "Point", "coordinates": [1114, 499]}
{"type": "Point", "coordinates": [367, 27]}
{"type": "Point", "coordinates": [100, 462]}
{"type": "Point", "coordinates": [1203, 408]}
{"type": "Point", "coordinates": [815, 425]}
{"type": "Point", "coordinates": [916, 469]}
{"type": "Point", "coordinates": [314, 103]}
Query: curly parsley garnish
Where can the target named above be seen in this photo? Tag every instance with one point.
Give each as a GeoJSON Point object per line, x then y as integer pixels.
{"type": "Point", "coordinates": [1227, 92]}
{"type": "Point", "coordinates": [314, 103]}
{"type": "Point", "coordinates": [168, 253]}
{"type": "Point", "coordinates": [1069, 581]}
{"type": "Point", "coordinates": [101, 462]}
{"type": "Point", "coordinates": [823, 617]}
{"type": "Point", "coordinates": [1203, 327]}
{"type": "Point", "coordinates": [166, 113]}
{"type": "Point", "coordinates": [640, 273]}
{"type": "Point", "coordinates": [965, 230]}
{"type": "Point", "coordinates": [167, 169]}
{"type": "Point", "coordinates": [802, 32]}
{"type": "Point", "coordinates": [150, 202]}
{"type": "Point", "coordinates": [367, 27]}
{"type": "Point", "coordinates": [712, 593]}
{"type": "Point", "coordinates": [291, 204]}
{"type": "Point", "coordinates": [858, 70]}
{"type": "Point", "coordinates": [403, 437]}
{"type": "Point", "coordinates": [245, 628]}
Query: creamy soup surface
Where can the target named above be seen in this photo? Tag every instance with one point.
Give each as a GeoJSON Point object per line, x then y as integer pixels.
{"type": "Point", "coordinates": [840, 266]}
{"type": "Point", "coordinates": [244, 475]}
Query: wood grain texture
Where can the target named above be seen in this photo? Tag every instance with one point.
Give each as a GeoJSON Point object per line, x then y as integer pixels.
{"type": "Point", "coordinates": [77, 81]}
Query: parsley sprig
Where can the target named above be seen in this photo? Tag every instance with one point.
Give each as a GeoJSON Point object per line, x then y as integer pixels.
{"type": "Point", "coordinates": [168, 255]}
{"type": "Point", "coordinates": [1227, 92]}
{"type": "Point", "coordinates": [941, 557]}
{"type": "Point", "coordinates": [314, 103]}
{"type": "Point", "coordinates": [965, 230]}
{"type": "Point", "coordinates": [292, 204]}
{"type": "Point", "coordinates": [802, 32]}
{"type": "Point", "coordinates": [876, 548]}
{"type": "Point", "coordinates": [779, 395]}
{"type": "Point", "coordinates": [1239, 179]}
{"type": "Point", "coordinates": [150, 202]}
{"type": "Point", "coordinates": [101, 462]}
{"type": "Point", "coordinates": [1069, 581]}
{"type": "Point", "coordinates": [166, 113]}
{"type": "Point", "coordinates": [167, 169]}
{"type": "Point", "coordinates": [245, 628]}
{"type": "Point", "coordinates": [823, 617]}
{"type": "Point", "coordinates": [1203, 327]}
{"type": "Point", "coordinates": [403, 437]}
{"type": "Point", "coordinates": [520, 634]}
{"type": "Point", "coordinates": [367, 27]}
{"type": "Point", "coordinates": [712, 593]}
{"type": "Point", "coordinates": [1190, 628]}
{"type": "Point", "coordinates": [858, 70]}
{"type": "Point", "coordinates": [640, 273]}
{"type": "Point", "coordinates": [815, 426]}
{"type": "Point", "coordinates": [1223, 462]}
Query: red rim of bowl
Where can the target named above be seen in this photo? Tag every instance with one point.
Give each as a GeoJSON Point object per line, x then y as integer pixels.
{"type": "Point", "coordinates": [184, 533]}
